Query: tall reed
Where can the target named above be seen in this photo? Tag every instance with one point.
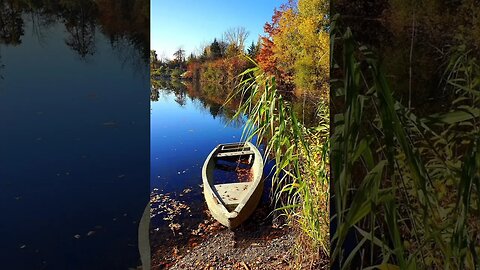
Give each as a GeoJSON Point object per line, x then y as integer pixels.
{"type": "Point", "coordinates": [406, 189]}
{"type": "Point", "coordinates": [300, 186]}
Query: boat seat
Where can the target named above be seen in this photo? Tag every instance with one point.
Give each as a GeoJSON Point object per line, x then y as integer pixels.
{"type": "Point", "coordinates": [233, 154]}
{"type": "Point", "coordinates": [231, 193]}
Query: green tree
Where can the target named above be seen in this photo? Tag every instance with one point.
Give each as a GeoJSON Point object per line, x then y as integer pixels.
{"type": "Point", "coordinates": [153, 56]}
{"type": "Point", "coordinates": [253, 50]}
{"type": "Point", "coordinates": [215, 50]}
{"type": "Point", "coordinates": [179, 55]}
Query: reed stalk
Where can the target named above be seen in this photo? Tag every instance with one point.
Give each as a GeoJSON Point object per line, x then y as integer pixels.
{"type": "Point", "coordinates": [405, 189]}
{"type": "Point", "coordinates": [300, 187]}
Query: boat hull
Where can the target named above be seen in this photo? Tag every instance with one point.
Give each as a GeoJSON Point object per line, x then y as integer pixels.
{"type": "Point", "coordinates": [250, 197]}
{"type": "Point", "coordinates": [231, 222]}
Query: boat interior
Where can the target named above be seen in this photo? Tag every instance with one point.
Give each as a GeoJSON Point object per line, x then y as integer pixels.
{"type": "Point", "coordinates": [233, 173]}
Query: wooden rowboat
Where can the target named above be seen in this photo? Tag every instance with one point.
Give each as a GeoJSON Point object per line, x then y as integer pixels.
{"type": "Point", "coordinates": [232, 203]}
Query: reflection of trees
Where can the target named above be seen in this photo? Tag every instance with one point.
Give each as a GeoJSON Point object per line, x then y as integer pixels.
{"type": "Point", "coordinates": [11, 24]}
{"type": "Point", "coordinates": [40, 23]}
{"type": "Point", "coordinates": [1, 67]}
{"type": "Point", "coordinates": [413, 34]}
{"type": "Point", "coordinates": [201, 99]}
{"type": "Point", "coordinates": [126, 23]}
{"type": "Point", "coordinates": [154, 94]}
{"type": "Point", "coordinates": [180, 98]}
{"type": "Point", "coordinates": [80, 24]}
{"type": "Point", "coordinates": [214, 110]}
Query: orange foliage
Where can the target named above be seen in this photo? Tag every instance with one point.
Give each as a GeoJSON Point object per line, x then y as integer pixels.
{"type": "Point", "coordinates": [266, 58]}
{"type": "Point", "coordinates": [193, 70]}
{"type": "Point", "coordinates": [222, 71]}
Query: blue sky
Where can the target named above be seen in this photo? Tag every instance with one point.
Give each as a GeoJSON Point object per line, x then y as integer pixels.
{"type": "Point", "coordinates": [192, 23]}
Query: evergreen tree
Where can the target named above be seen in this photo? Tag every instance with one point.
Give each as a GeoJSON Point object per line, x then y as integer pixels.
{"type": "Point", "coordinates": [252, 51]}
{"type": "Point", "coordinates": [216, 51]}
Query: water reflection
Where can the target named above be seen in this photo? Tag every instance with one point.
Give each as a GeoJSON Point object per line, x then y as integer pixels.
{"type": "Point", "coordinates": [413, 48]}
{"type": "Point", "coordinates": [121, 21]}
{"type": "Point", "coordinates": [11, 24]}
{"type": "Point", "coordinates": [209, 100]}
{"type": "Point", "coordinates": [80, 24]}
{"type": "Point", "coordinates": [2, 67]}
{"type": "Point", "coordinates": [74, 138]}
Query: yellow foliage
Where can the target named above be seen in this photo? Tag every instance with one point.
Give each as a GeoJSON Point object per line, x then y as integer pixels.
{"type": "Point", "coordinates": [302, 47]}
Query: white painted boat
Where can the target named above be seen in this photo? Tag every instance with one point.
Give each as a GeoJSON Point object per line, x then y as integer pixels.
{"type": "Point", "coordinates": [232, 203]}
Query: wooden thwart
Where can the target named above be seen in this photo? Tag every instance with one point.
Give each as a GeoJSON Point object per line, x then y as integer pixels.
{"type": "Point", "coordinates": [232, 145]}
{"type": "Point", "coordinates": [232, 154]}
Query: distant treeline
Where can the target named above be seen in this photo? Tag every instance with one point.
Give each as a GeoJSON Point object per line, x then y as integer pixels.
{"type": "Point", "coordinates": [294, 49]}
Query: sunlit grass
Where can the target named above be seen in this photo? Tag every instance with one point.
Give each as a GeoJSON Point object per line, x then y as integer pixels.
{"type": "Point", "coordinates": [300, 187]}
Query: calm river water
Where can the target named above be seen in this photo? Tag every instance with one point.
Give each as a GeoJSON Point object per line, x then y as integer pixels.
{"type": "Point", "coordinates": [184, 130]}
{"type": "Point", "coordinates": [74, 133]}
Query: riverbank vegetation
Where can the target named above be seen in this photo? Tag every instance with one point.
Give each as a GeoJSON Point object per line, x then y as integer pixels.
{"type": "Point", "coordinates": [216, 68]}
{"type": "Point", "coordinates": [405, 139]}
{"type": "Point", "coordinates": [300, 187]}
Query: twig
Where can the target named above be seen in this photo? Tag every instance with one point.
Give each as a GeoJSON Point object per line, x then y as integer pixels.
{"type": "Point", "coordinates": [245, 266]}
{"type": "Point", "coordinates": [410, 67]}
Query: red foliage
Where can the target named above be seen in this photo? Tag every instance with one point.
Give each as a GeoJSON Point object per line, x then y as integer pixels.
{"type": "Point", "coordinates": [266, 57]}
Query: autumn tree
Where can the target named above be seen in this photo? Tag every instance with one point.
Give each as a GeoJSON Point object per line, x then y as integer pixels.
{"type": "Point", "coordinates": [313, 55]}
{"type": "Point", "coordinates": [296, 47]}
{"type": "Point", "coordinates": [268, 58]}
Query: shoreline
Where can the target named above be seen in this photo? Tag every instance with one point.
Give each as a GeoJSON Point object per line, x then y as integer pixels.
{"type": "Point", "coordinates": [260, 243]}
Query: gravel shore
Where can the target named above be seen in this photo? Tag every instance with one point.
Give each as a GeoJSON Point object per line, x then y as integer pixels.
{"type": "Point", "coordinates": [256, 244]}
